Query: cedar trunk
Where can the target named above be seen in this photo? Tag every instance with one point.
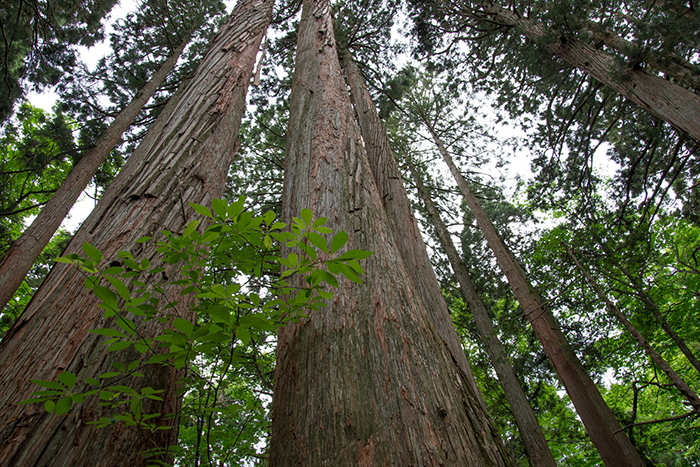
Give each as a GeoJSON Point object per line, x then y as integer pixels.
{"type": "Point", "coordinates": [614, 447]}
{"type": "Point", "coordinates": [530, 431]}
{"type": "Point", "coordinates": [184, 158]}
{"type": "Point", "coordinates": [366, 380]}
{"type": "Point", "coordinates": [402, 222]}
{"type": "Point", "coordinates": [24, 251]}
{"type": "Point", "coordinates": [668, 101]}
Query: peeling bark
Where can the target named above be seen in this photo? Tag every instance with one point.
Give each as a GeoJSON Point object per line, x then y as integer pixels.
{"type": "Point", "coordinates": [183, 158]}
{"type": "Point", "coordinates": [366, 380]}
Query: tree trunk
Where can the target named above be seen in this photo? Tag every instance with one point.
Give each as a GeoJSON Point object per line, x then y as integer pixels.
{"type": "Point", "coordinates": [183, 158]}
{"type": "Point", "coordinates": [402, 222]}
{"type": "Point", "coordinates": [530, 431]}
{"type": "Point", "coordinates": [613, 446]}
{"type": "Point", "coordinates": [677, 381]}
{"type": "Point", "coordinates": [366, 380]}
{"type": "Point", "coordinates": [23, 252]}
{"type": "Point", "coordinates": [653, 308]}
{"type": "Point", "coordinates": [674, 68]}
{"type": "Point", "coordinates": [668, 101]}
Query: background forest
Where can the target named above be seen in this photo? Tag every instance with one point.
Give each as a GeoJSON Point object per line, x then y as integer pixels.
{"type": "Point", "coordinates": [534, 118]}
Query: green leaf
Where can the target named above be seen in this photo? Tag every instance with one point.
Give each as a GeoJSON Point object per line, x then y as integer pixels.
{"type": "Point", "coordinates": [64, 405]}
{"type": "Point", "coordinates": [67, 378]}
{"type": "Point", "coordinates": [190, 228]}
{"type": "Point", "coordinates": [307, 215]}
{"type": "Point", "coordinates": [108, 297]}
{"type": "Point", "coordinates": [318, 241]}
{"type": "Point", "coordinates": [92, 252]}
{"type": "Point", "coordinates": [339, 241]}
{"type": "Point", "coordinates": [49, 406]}
{"type": "Point", "coordinates": [120, 287]}
{"type": "Point", "coordinates": [356, 254]}
{"type": "Point", "coordinates": [244, 335]}
{"type": "Point", "coordinates": [119, 346]}
{"type": "Point", "coordinates": [92, 381]}
{"type": "Point", "coordinates": [329, 278]}
{"type": "Point", "coordinates": [48, 384]}
{"type": "Point", "coordinates": [203, 210]}
{"type": "Point", "coordinates": [184, 326]}
{"type": "Point", "coordinates": [350, 273]}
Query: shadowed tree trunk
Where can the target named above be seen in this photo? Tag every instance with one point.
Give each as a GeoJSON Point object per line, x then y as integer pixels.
{"type": "Point", "coordinates": [24, 251]}
{"type": "Point", "coordinates": [366, 380]}
{"type": "Point", "coordinates": [402, 222]}
{"type": "Point", "coordinates": [530, 431]}
{"type": "Point", "coordinates": [183, 158]}
{"type": "Point", "coordinates": [614, 447]}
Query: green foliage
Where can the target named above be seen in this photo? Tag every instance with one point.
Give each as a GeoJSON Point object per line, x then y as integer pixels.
{"type": "Point", "coordinates": [225, 348]}
{"type": "Point", "coordinates": [39, 40]}
{"type": "Point", "coordinates": [36, 154]}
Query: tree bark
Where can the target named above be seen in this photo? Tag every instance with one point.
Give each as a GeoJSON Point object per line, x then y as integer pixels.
{"type": "Point", "coordinates": [183, 158]}
{"type": "Point", "coordinates": [677, 381]}
{"type": "Point", "coordinates": [668, 101]}
{"type": "Point", "coordinates": [366, 380]}
{"type": "Point", "coordinates": [24, 251]}
{"type": "Point", "coordinates": [614, 447]}
{"type": "Point", "coordinates": [402, 222]}
{"type": "Point", "coordinates": [530, 431]}
{"type": "Point", "coordinates": [672, 66]}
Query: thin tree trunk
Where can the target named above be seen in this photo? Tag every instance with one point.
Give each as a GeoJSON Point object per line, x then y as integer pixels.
{"type": "Point", "coordinates": [668, 101]}
{"type": "Point", "coordinates": [653, 308]}
{"type": "Point", "coordinates": [183, 158]}
{"type": "Point", "coordinates": [366, 380]}
{"type": "Point", "coordinates": [402, 222]}
{"type": "Point", "coordinates": [530, 431]}
{"type": "Point", "coordinates": [613, 446]}
{"type": "Point", "coordinates": [23, 252]}
{"type": "Point", "coordinates": [680, 384]}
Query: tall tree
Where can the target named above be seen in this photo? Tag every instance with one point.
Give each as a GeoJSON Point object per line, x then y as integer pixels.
{"type": "Point", "coordinates": [184, 158]}
{"type": "Point", "coordinates": [613, 446]}
{"type": "Point", "coordinates": [530, 430]}
{"type": "Point", "coordinates": [20, 257]}
{"type": "Point", "coordinates": [402, 221]}
{"type": "Point", "coordinates": [367, 380]}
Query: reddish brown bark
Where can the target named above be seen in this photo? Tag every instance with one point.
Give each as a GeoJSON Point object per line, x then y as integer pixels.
{"type": "Point", "coordinates": [668, 101]}
{"type": "Point", "coordinates": [677, 381]}
{"type": "Point", "coordinates": [530, 431]}
{"type": "Point", "coordinates": [402, 222]}
{"type": "Point", "coordinates": [24, 251]}
{"type": "Point", "coordinates": [366, 380]}
{"type": "Point", "coordinates": [614, 447]}
{"type": "Point", "coordinates": [184, 158]}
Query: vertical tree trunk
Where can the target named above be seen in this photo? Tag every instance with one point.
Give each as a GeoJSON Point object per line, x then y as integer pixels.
{"type": "Point", "coordinates": [23, 252]}
{"type": "Point", "coordinates": [402, 222]}
{"type": "Point", "coordinates": [614, 447]}
{"type": "Point", "coordinates": [183, 158]}
{"type": "Point", "coordinates": [677, 381]}
{"type": "Point", "coordinates": [530, 431]}
{"type": "Point", "coordinates": [366, 380]}
{"type": "Point", "coordinates": [668, 101]}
